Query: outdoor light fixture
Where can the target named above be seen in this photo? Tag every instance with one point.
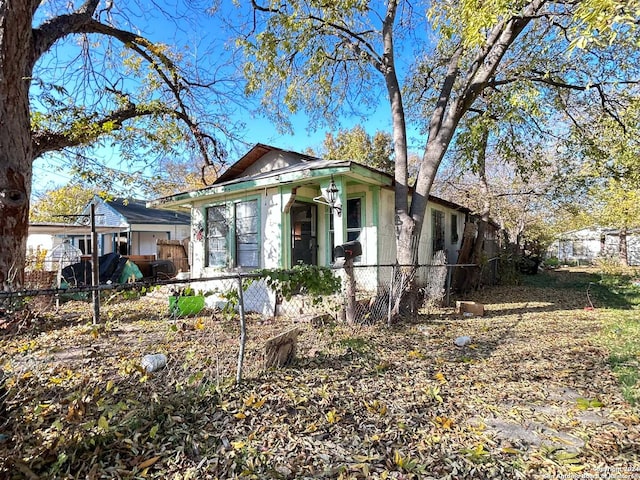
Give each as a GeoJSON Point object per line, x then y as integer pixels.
{"type": "Point", "coordinates": [331, 197]}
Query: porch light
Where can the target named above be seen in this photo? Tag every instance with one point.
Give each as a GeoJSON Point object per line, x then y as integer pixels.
{"type": "Point", "coordinates": [331, 197]}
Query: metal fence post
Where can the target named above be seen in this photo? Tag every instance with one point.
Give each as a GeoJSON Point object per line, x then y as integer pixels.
{"type": "Point", "coordinates": [243, 330]}
{"type": "Point", "coordinates": [448, 287]}
{"type": "Point", "coordinates": [95, 268]}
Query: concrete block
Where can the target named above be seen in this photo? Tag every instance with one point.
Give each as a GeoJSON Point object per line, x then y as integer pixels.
{"type": "Point", "coordinates": [469, 309]}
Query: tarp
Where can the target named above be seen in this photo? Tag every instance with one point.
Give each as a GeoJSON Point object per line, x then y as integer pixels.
{"type": "Point", "coordinates": [113, 268]}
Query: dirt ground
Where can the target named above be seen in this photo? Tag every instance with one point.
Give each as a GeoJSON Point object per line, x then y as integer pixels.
{"type": "Point", "coordinates": [531, 396]}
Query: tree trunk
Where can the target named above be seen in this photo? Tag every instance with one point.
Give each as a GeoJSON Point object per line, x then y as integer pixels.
{"type": "Point", "coordinates": [16, 151]}
{"type": "Point", "coordinates": [624, 252]}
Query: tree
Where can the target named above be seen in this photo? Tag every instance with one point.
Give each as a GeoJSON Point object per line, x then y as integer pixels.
{"type": "Point", "coordinates": [321, 57]}
{"type": "Point", "coordinates": [175, 175]}
{"type": "Point", "coordinates": [610, 150]}
{"type": "Point", "coordinates": [356, 144]}
{"type": "Point", "coordinates": [54, 204]}
{"type": "Point", "coordinates": [75, 82]}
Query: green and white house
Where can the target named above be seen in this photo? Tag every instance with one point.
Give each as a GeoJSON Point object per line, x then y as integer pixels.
{"type": "Point", "coordinates": [271, 209]}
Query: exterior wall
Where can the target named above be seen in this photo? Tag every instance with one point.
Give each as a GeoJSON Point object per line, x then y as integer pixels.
{"type": "Point", "coordinates": [451, 244]}
{"type": "Point", "coordinates": [587, 245]}
{"type": "Point", "coordinates": [612, 247]}
{"type": "Point", "coordinates": [271, 226]}
{"type": "Point", "coordinates": [144, 243]}
{"type": "Point", "coordinates": [270, 161]}
{"type": "Point", "coordinates": [578, 246]}
{"type": "Point", "coordinates": [387, 228]}
{"type": "Point", "coordinates": [42, 242]}
{"type": "Point", "coordinates": [369, 225]}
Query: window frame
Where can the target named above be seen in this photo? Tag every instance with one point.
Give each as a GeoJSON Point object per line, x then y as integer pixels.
{"type": "Point", "coordinates": [453, 230]}
{"type": "Point", "coordinates": [440, 235]}
{"type": "Point", "coordinates": [232, 257]}
{"type": "Point", "coordinates": [345, 212]}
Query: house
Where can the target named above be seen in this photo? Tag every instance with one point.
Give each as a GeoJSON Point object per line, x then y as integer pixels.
{"type": "Point", "coordinates": [271, 209]}
{"type": "Point", "coordinates": [587, 244]}
{"type": "Point", "coordinates": [124, 226]}
{"type": "Point", "coordinates": [133, 228]}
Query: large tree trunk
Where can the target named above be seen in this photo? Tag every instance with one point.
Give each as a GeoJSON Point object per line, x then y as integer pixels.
{"type": "Point", "coordinates": [16, 151]}
{"type": "Point", "coordinates": [469, 278]}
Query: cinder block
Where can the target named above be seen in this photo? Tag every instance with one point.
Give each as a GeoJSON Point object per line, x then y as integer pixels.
{"type": "Point", "coordinates": [469, 309]}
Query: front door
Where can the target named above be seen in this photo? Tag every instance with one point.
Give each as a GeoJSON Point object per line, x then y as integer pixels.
{"type": "Point", "coordinates": [304, 240]}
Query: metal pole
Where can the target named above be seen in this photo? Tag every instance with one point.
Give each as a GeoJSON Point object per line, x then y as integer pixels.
{"type": "Point", "coordinates": [243, 330]}
{"type": "Point", "coordinates": [95, 268]}
{"type": "Point", "coordinates": [449, 271]}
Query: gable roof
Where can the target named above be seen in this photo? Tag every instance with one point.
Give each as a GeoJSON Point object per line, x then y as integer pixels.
{"type": "Point", "coordinates": [131, 211]}
{"type": "Point", "coordinates": [136, 211]}
{"type": "Point", "coordinates": [252, 156]}
{"type": "Point", "coordinates": [301, 167]}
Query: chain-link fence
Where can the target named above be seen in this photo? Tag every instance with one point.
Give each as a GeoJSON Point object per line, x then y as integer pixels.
{"type": "Point", "coordinates": [218, 311]}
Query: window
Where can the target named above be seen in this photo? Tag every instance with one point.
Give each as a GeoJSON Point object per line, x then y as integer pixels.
{"type": "Point", "coordinates": [232, 235]}
{"type": "Point", "coordinates": [354, 224]}
{"type": "Point", "coordinates": [84, 246]}
{"type": "Point", "coordinates": [247, 234]}
{"type": "Point", "coordinates": [454, 229]}
{"type": "Point", "coordinates": [354, 218]}
{"type": "Point", "coordinates": [217, 233]}
{"type": "Point", "coordinates": [437, 230]}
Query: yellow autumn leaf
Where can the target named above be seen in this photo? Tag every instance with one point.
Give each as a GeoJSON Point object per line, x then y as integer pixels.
{"type": "Point", "coordinates": [199, 325]}
{"type": "Point", "coordinates": [148, 463]}
{"type": "Point", "coordinates": [103, 423]}
{"type": "Point", "coordinates": [444, 422]}
{"type": "Point", "coordinates": [238, 445]}
{"type": "Point", "coordinates": [312, 427]}
{"type": "Point", "coordinates": [250, 400]}
{"type": "Point", "coordinates": [511, 451]}
{"type": "Point", "coordinates": [332, 416]}
{"type": "Point", "coordinates": [240, 415]}
{"type": "Point", "coordinates": [376, 407]}
{"type": "Point", "coordinates": [440, 377]}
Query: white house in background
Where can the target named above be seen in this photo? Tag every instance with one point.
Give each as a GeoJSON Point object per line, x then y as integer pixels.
{"type": "Point", "coordinates": [125, 226]}
{"type": "Point", "coordinates": [588, 244]}
{"type": "Point", "coordinates": [133, 228]}
{"type": "Point", "coordinates": [269, 210]}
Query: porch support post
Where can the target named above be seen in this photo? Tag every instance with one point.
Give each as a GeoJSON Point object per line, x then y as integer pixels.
{"type": "Point", "coordinates": [287, 197]}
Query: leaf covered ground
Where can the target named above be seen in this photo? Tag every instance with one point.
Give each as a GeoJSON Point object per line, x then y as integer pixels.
{"type": "Point", "coordinates": [533, 396]}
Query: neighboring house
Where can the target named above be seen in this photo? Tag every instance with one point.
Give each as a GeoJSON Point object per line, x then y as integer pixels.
{"type": "Point", "coordinates": [612, 245]}
{"type": "Point", "coordinates": [269, 210]}
{"type": "Point", "coordinates": [124, 226]}
{"type": "Point", "coordinates": [582, 246]}
{"type": "Point", "coordinates": [134, 228]}
{"type": "Point", "coordinates": [588, 244]}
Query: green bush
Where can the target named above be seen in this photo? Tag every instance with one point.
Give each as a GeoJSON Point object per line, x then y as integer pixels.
{"type": "Point", "coordinates": [302, 279]}
{"type": "Point", "coordinates": [552, 262]}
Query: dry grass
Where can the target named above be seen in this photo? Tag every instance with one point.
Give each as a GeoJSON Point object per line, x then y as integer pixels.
{"type": "Point", "coordinates": [533, 396]}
